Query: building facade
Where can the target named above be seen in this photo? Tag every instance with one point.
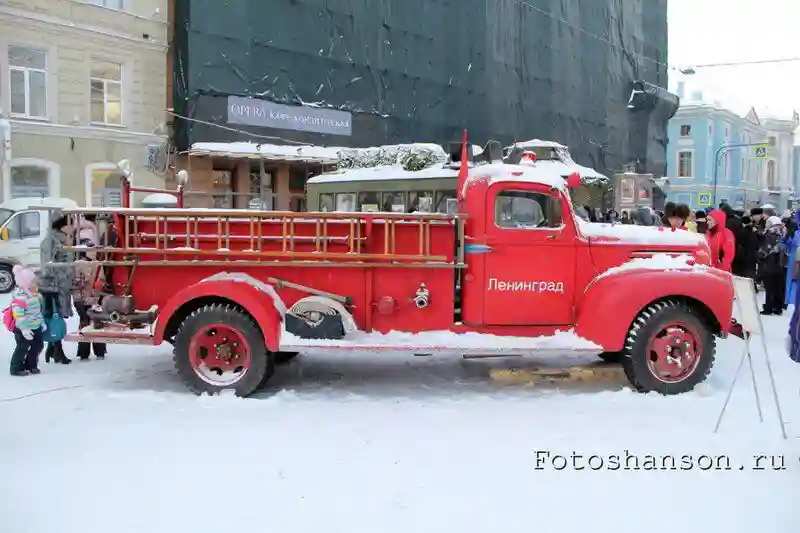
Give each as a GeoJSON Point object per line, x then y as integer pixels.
{"type": "Point", "coordinates": [715, 156]}
{"type": "Point", "coordinates": [360, 74]}
{"type": "Point", "coordinates": [82, 86]}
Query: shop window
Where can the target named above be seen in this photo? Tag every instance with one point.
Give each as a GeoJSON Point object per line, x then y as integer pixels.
{"type": "Point", "coordinates": [369, 201]}
{"type": "Point", "coordinates": [420, 202]}
{"type": "Point", "coordinates": [30, 181]}
{"type": "Point", "coordinates": [446, 202]}
{"type": "Point", "coordinates": [104, 185]}
{"type": "Point", "coordinates": [346, 202]}
{"type": "Point", "coordinates": [326, 203]}
{"type": "Point", "coordinates": [394, 202]}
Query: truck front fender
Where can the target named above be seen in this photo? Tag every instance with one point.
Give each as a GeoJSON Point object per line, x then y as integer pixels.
{"type": "Point", "coordinates": [611, 303]}
{"type": "Point", "coordinates": [258, 303]}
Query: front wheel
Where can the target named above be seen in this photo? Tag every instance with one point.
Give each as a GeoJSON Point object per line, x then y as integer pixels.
{"type": "Point", "coordinates": [669, 349]}
{"type": "Point", "coordinates": [6, 279]}
{"type": "Point", "coordinates": [220, 347]}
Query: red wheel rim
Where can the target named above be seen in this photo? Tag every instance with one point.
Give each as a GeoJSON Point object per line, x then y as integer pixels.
{"type": "Point", "coordinates": [219, 354]}
{"type": "Point", "coordinates": [674, 352]}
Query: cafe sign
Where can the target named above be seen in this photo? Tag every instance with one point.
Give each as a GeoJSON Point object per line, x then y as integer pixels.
{"type": "Point", "coordinates": [265, 114]}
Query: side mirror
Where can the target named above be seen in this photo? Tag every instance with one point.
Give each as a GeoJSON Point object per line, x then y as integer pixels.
{"type": "Point", "coordinates": [4, 234]}
{"type": "Point", "coordinates": [574, 181]}
{"type": "Point", "coordinates": [182, 179]}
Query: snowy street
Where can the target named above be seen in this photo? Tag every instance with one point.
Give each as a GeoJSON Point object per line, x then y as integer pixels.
{"type": "Point", "coordinates": [385, 445]}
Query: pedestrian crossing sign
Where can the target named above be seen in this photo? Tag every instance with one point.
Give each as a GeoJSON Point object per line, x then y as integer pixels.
{"type": "Point", "coordinates": [704, 200]}
{"type": "Point", "coordinates": [760, 151]}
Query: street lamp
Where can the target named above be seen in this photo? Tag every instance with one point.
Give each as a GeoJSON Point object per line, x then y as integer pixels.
{"type": "Point", "coordinates": [724, 149]}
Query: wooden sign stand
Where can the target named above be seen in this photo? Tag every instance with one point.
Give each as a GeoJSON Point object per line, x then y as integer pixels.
{"type": "Point", "coordinates": [747, 303]}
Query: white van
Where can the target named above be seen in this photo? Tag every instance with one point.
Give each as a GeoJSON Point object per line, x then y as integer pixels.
{"type": "Point", "coordinates": [24, 222]}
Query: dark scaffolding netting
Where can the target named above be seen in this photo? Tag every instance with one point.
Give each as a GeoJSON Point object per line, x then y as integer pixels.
{"type": "Point", "coordinates": [423, 70]}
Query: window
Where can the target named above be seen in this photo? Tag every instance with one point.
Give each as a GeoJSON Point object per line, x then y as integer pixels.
{"type": "Point", "coordinates": [113, 4]}
{"type": "Point", "coordinates": [686, 130]}
{"type": "Point", "coordinates": [106, 99]}
{"type": "Point", "coordinates": [24, 225]}
{"type": "Point", "coordinates": [104, 185]}
{"type": "Point", "coordinates": [30, 181]}
{"type": "Point", "coordinates": [368, 201]}
{"type": "Point", "coordinates": [326, 204]}
{"type": "Point", "coordinates": [27, 78]}
{"type": "Point", "coordinates": [525, 210]}
{"type": "Point", "coordinates": [420, 202]}
{"type": "Point", "coordinates": [685, 164]}
{"type": "Point", "coordinates": [446, 202]}
{"type": "Point", "coordinates": [394, 202]}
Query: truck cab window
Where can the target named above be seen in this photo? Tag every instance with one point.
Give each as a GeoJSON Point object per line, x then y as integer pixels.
{"type": "Point", "coordinates": [23, 225]}
{"type": "Point", "coordinates": [522, 210]}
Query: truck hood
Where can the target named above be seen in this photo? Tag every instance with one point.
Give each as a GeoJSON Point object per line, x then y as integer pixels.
{"type": "Point", "coordinates": [613, 245]}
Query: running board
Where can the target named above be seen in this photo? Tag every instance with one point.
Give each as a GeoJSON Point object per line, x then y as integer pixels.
{"type": "Point", "coordinates": [113, 337]}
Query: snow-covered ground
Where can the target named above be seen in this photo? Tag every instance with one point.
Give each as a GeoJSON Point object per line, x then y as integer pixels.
{"type": "Point", "coordinates": [384, 445]}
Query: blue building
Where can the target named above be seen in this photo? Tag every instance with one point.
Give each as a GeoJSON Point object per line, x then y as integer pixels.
{"type": "Point", "coordinates": [702, 136]}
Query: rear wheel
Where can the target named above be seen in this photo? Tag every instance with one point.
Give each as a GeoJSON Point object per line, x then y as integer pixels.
{"type": "Point", "coordinates": [6, 279]}
{"type": "Point", "coordinates": [669, 349]}
{"type": "Point", "coordinates": [220, 347]}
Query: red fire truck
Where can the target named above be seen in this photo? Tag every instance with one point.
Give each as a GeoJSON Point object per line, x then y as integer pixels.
{"type": "Point", "coordinates": [515, 272]}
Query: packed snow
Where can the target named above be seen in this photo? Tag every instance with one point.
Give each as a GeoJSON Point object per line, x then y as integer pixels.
{"type": "Point", "coordinates": [501, 172]}
{"type": "Point", "coordinates": [241, 277]}
{"type": "Point", "coordinates": [379, 444]}
{"type": "Point", "coordinates": [446, 340]}
{"type": "Point", "coordinates": [320, 154]}
{"type": "Point", "coordinates": [657, 262]}
{"type": "Point", "coordinates": [386, 172]}
{"type": "Point", "coordinates": [630, 234]}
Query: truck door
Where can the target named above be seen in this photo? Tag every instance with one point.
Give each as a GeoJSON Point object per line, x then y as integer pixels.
{"type": "Point", "coordinates": [25, 231]}
{"type": "Point", "coordinates": [530, 268]}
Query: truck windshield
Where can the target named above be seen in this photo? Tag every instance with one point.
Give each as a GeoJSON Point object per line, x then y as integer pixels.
{"type": "Point", "coordinates": [5, 214]}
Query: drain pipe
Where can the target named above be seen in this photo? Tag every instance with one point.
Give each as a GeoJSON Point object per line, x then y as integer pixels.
{"type": "Point", "coordinates": [5, 156]}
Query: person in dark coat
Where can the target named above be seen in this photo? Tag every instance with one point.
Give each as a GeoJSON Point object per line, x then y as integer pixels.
{"type": "Point", "coordinates": [645, 217]}
{"type": "Point", "coordinates": [701, 222]}
{"type": "Point", "coordinates": [56, 280]}
{"type": "Point", "coordinates": [734, 223]}
{"type": "Point", "coordinates": [747, 248]}
{"type": "Point", "coordinates": [771, 264]}
{"type": "Point", "coordinates": [669, 210]}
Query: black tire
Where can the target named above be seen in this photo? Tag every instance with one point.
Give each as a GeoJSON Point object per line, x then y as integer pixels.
{"type": "Point", "coordinates": [611, 357]}
{"type": "Point", "coordinates": [651, 321]}
{"type": "Point", "coordinates": [262, 363]}
{"type": "Point", "coordinates": [7, 283]}
{"type": "Point", "coordinates": [283, 358]}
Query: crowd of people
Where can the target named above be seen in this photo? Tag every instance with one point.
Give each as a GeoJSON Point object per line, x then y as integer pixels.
{"type": "Point", "coordinates": [43, 299]}
{"type": "Point", "coordinates": [759, 244]}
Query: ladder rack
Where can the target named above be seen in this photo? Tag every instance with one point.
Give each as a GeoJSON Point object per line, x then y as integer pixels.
{"type": "Point", "coordinates": [185, 237]}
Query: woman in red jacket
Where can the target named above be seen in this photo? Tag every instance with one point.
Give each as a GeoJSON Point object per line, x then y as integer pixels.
{"type": "Point", "coordinates": [720, 240]}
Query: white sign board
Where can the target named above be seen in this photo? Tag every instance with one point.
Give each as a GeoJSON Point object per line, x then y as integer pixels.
{"type": "Point", "coordinates": [747, 302]}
